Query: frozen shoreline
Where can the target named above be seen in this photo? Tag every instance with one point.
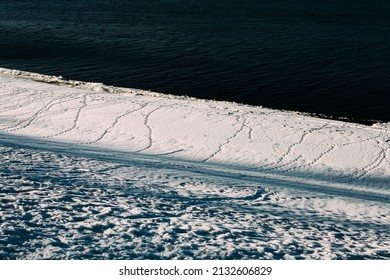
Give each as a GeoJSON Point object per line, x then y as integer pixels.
{"type": "Point", "coordinates": [100, 87]}
{"type": "Point", "coordinates": [207, 131]}
{"type": "Point", "coordinates": [148, 175]}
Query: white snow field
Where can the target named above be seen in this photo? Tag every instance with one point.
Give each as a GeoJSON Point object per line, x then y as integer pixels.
{"type": "Point", "coordinates": [89, 171]}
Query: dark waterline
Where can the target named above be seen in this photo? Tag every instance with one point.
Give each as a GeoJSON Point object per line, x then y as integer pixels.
{"type": "Point", "coordinates": [324, 57]}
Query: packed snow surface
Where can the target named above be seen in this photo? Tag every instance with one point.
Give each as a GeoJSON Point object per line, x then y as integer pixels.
{"type": "Point", "coordinates": [89, 171]}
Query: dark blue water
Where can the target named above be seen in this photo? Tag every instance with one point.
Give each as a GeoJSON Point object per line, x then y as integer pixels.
{"type": "Point", "coordinates": [323, 56]}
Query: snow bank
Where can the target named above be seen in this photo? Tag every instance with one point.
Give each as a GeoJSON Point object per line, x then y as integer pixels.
{"type": "Point", "coordinates": [91, 171]}
{"type": "Point", "coordinates": [208, 131]}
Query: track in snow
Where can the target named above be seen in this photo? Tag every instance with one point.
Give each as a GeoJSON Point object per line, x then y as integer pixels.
{"type": "Point", "coordinates": [160, 177]}
{"type": "Point", "coordinates": [63, 201]}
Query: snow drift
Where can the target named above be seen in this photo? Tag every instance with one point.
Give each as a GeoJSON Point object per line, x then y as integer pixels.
{"type": "Point", "coordinates": [108, 172]}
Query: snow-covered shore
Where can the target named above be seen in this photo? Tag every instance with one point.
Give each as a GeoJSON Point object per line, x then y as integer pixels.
{"type": "Point", "coordinates": [206, 131]}
{"type": "Point", "coordinates": [206, 179]}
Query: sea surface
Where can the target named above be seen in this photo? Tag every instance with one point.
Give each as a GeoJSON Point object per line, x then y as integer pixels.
{"type": "Point", "coordinates": [328, 57]}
